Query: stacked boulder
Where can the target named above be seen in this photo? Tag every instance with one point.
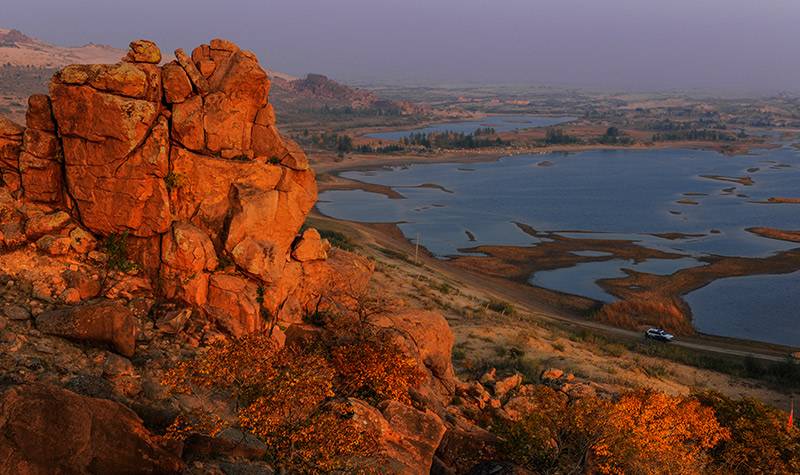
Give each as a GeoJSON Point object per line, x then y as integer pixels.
{"type": "Point", "coordinates": [41, 159]}
{"type": "Point", "coordinates": [185, 161]}
{"type": "Point", "coordinates": [10, 145]}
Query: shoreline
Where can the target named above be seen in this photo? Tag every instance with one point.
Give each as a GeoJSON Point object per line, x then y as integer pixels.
{"type": "Point", "coordinates": [529, 297]}
{"type": "Point", "coordinates": [327, 163]}
{"type": "Point", "coordinates": [364, 132]}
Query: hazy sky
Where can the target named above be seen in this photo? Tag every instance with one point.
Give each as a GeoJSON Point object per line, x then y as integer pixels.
{"type": "Point", "coordinates": [744, 45]}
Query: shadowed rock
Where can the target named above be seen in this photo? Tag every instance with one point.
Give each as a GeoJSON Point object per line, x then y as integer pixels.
{"type": "Point", "coordinates": [100, 322]}
{"type": "Point", "coordinates": [45, 430]}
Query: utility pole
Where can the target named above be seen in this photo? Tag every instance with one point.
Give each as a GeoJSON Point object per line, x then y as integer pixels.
{"type": "Point", "coordinates": [416, 250]}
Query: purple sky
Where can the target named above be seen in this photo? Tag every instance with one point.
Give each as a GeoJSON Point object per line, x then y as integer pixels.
{"type": "Point", "coordinates": [724, 45]}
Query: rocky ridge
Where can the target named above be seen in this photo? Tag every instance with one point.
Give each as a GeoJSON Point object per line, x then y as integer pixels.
{"type": "Point", "coordinates": [316, 91]}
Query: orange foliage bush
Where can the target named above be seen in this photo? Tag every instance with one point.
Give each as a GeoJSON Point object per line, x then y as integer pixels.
{"type": "Point", "coordinates": [553, 436]}
{"type": "Point", "coordinates": [375, 369]}
{"type": "Point", "coordinates": [286, 396]}
{"type": "Point", "coordinates": [652, 432]}
{"type": "Point", "coordinates": [656, 312]}
{"type": "Point", "coordinates": [642, 432]}
{"type": "Point", "coordinates": [760, 442]}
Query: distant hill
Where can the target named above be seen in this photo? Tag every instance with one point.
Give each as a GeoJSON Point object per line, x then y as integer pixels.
{"type": "Point", "coordinates": [18, 49]}
{"type": "Point", "coordinates": [27, 63]}
{"type": "Point", "coordinates": [320, 87]}
{"type": "Point", "coordinates": [316, 92]}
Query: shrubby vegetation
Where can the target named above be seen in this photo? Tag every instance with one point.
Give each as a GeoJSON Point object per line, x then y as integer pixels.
{"type": "Point", "coordinates": [614, 136]}
{"type": "Point", "coordinates": [349, 111]}
{"type": "Point", "coordinates": [759, 440]}
{"type": "Point", "coordinates": [328, 141]}
{"type": "Point", "coordinates": [649, 432]}
{"type": "Point", "coordinates": [342, 143]}
{"type": "Point", "coordinates": [337, 239]}
{"type": "Point", "coordinates": [295, 399]}
{"type": "Point", "coordinates": [390, 148]}
{"type": "Point", "coordinates": [655, 311]}
{"type": "Point", "coordinates": [116, 246]}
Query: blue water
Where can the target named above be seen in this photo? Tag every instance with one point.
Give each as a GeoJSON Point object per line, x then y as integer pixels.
{"type": "Point", "coordinates": [759, 307]}
{"type": "Point", "coordinates": [623, 194]}
{"type": "Point", "coordinates": [501, 123]}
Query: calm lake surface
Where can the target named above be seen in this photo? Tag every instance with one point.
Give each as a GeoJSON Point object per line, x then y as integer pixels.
{"type": "Point", "coordinates": [613, 195]}
{"type": "Point", "coordinates": [501, 123]}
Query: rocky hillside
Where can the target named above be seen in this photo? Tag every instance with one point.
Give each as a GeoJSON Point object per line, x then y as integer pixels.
{"type": "Point", "coordinates": [148, 213]}
{"type": "Point", "coordinates": [325, 89]}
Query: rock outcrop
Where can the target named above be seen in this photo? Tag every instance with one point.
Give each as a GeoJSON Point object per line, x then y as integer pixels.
{"type": "Point", "coordinates": [147, 213]}
{"type": "Point", "coordinates": [407, 437]}
{"type": "Point", "coordinates": [427, 335]}
{"type": "Point", "coordinates": [184, 162]}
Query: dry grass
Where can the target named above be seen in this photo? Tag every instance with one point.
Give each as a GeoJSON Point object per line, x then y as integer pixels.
{"type": "Point", "coordinates": [634, 314]}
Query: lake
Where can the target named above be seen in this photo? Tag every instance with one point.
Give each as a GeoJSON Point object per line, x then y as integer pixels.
{"type": "Point", "coordinates": [500, 123]}
{"type": "Point", "coordinates": [619, 194]}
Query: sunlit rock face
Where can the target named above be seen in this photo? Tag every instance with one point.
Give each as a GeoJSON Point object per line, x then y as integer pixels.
{"type": "Point", "coordinates": [185, 160]}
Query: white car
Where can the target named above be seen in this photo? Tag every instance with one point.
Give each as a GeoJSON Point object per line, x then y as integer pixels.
{"type": "Point", "coordinates": [659, 334]}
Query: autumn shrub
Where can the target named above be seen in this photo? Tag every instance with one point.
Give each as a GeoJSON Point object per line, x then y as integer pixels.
{"type": "Point", "coordinates": [642, 432]}
{"type": "Point", "coordinates": [760, 441]}
{"type": "Point", "coordinates": [375, 369]}
{"type": "Point", "coordinates": [282, 395]}
{"type": "Point", "coordinates": [291, 397]}
{"type": "Point", "coordinates": [657, 312]}
{"type": "Point", "coordinates": [553, 436]}
{"type": "Point", "coordinates": [652, 432]}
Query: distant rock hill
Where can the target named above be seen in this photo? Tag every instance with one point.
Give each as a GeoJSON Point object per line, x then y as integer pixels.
{"type": "Point", "coordinates": [19, 49]}
{"type": "Point", "coordinates": [317, 91]}
{"type": "Point", "coordinates": [321, 87]}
